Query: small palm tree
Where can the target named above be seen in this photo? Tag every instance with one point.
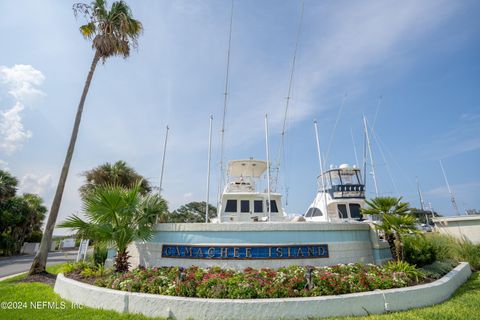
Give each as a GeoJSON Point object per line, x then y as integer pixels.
{"type": "Point", "coordinates": [112, 32]}
{"type": "Point", "coordinates": [395, 221]}
{"type": "Point", "coordinates": [118, 216]}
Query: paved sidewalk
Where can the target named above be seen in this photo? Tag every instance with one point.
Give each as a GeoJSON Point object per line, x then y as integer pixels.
{"type": "Point", "coordinates": [18, 264]}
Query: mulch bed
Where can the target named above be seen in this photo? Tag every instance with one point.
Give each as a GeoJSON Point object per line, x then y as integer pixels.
{"type": "Point", "coordinates": [43, 277]}
{"type": "Point", "coordinates": [75, 275]}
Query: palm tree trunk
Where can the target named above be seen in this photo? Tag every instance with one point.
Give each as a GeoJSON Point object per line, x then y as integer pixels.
{"type": "Point", "coordinates": [40, 261]}
{"type": "Point", "coordinates": [391, 243]}
{"type": "Point", "coordinates": [121, 261]}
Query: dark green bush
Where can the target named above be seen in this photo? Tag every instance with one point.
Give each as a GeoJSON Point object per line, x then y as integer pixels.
{"type": "Point", "coordinates": [100, 253]}
{"type": "Point", "coordinates": [438, 269]}
{"type": "Point", "coordinates": [418, 250]}
{"type": "Point", "coordinates": [36, 236]}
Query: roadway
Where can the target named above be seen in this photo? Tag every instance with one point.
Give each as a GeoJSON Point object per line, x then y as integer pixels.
{"type": "Point", "coordinates": [22, 263]}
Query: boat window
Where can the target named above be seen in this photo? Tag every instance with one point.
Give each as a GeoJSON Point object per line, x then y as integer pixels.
{"type": "Point", "coordinates": [342, 211]}
{"type": "Point", "coordinates": [244, 206]}
{"type": "Point", "coordinates": [273, 206]}
{"type": "Point", "coordinates": [258, 205]}
{"type": "Point", "coordinates": [231, 206]}
{"type": "Point", "coordinates": [313, 212]}
{"type": "Point", "coordinates": [309, 213]}
{"type": "Point", "coordinates": [335, 178]}
{"type": "Point", "coordinates": [355, 211]}
{"type": "Point", "coordinates": [347, 178]}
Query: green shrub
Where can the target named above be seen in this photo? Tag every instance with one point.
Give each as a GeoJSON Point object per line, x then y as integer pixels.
{"type": "Point", "coordinates": [418, 250]}
{"type": "Point", "coordinates": [100, 253]}
{"type": "Point", "coordinates": [402, 267]}
{"type": "Point", "coordinates": [444, 246]}
{"type": "Point", "coordinates": [75, 266]}
{"type": "Point", "coordinates": [438, 269]}
{"type": "Point", "coordinates": [470, 252]}
{"type": "Point", "coordinates": [449, 248]}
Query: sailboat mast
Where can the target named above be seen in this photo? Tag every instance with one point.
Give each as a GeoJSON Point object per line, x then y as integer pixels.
{"type": "Point", "coordinates": [452, 197]}
{"type": "Point", "coordinates": [371, 156]}
{"type": "Point", "coordinates": [208, 168]}
{"type": "Point", "coordinates": [268, 170]}
{"type": "Point", "coordinates": [163, 161]}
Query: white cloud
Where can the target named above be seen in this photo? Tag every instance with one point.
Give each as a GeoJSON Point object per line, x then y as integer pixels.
{"type": "Point", "coordinates": [38, 184]}
{"type": "Point", "coordinates": [12, 132]}
{"type": "Point", "coordinates": [21, 82]}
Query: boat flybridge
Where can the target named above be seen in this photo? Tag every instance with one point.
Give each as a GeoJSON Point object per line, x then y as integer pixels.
{"type": "Point", "coordinates": [340, 196]}
{"type": "Point", "coordinates": [241, 201]}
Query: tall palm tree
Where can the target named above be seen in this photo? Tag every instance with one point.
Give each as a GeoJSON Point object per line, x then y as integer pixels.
{"type": "Point", "coordinates": [118, 215]}
{"type": "Point", "coordinates": [396, 221]}
{"type": "Point", "coordinates": [112, 32]}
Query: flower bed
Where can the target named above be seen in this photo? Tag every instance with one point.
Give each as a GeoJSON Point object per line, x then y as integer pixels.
{"type": "Point", "coordinates": [294, 281]}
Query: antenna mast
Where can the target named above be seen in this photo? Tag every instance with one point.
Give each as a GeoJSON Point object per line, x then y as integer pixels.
{"type": "Point", "coordinates": [452, 196]}
{"type": "Point", "coordinates": [222, 132]}
{"type": "Point", "coordinates": [208, 168]}
{"type": "Point", "coordinates": [371, 156]}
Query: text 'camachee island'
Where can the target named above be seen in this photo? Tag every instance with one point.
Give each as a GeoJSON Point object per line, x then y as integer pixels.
{"type": "Point", "coordinates": [245, 252]}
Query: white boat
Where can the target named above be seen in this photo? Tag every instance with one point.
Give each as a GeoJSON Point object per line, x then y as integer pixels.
{"type": "Point", "coordinates": [340, 196]}
{"type": "Point", "coordinates": [241, 201]}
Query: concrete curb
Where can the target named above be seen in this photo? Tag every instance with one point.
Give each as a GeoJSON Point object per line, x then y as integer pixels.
{"type": "Point", "coordinates": [12, 276]}
{"type": "Point", "coordinates": [355, 304]}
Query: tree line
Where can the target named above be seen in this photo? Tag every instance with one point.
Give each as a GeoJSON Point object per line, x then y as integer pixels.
{"type": "Point", "coordinates": [21, 216]}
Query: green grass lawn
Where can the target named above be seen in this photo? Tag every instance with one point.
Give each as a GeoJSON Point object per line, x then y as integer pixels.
{"type": "Point", "coordinates": [465, 304]}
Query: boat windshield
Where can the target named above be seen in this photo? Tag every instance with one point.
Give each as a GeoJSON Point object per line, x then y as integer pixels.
{"type": "Point", "coordinates": [341, 178]}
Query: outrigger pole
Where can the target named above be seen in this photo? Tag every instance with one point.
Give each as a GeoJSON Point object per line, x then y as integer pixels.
{"type": "Point", "coordinates": [222, 132]}
{"type": "Point", "coordinates": [452, 196]}
{"type": "Point", "coordinates": [320, 161]}
{"type": "Point", "coordinates": [371, 156]}
{"type": "Point", "coordinates": [268, 170]}
{"type": "Point", "coordinates": [163, 160]}
{"type": "Point", "coordinates": [281, 150]}
{"type": "Point", "coordinates": [208, 168]}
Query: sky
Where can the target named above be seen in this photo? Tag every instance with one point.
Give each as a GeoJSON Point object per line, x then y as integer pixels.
{"type": "Point", "coordinates": [411, 67]}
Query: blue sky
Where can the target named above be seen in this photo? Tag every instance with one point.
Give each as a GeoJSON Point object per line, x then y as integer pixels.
{"type": "Point", "coordinates": [422, 57]}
